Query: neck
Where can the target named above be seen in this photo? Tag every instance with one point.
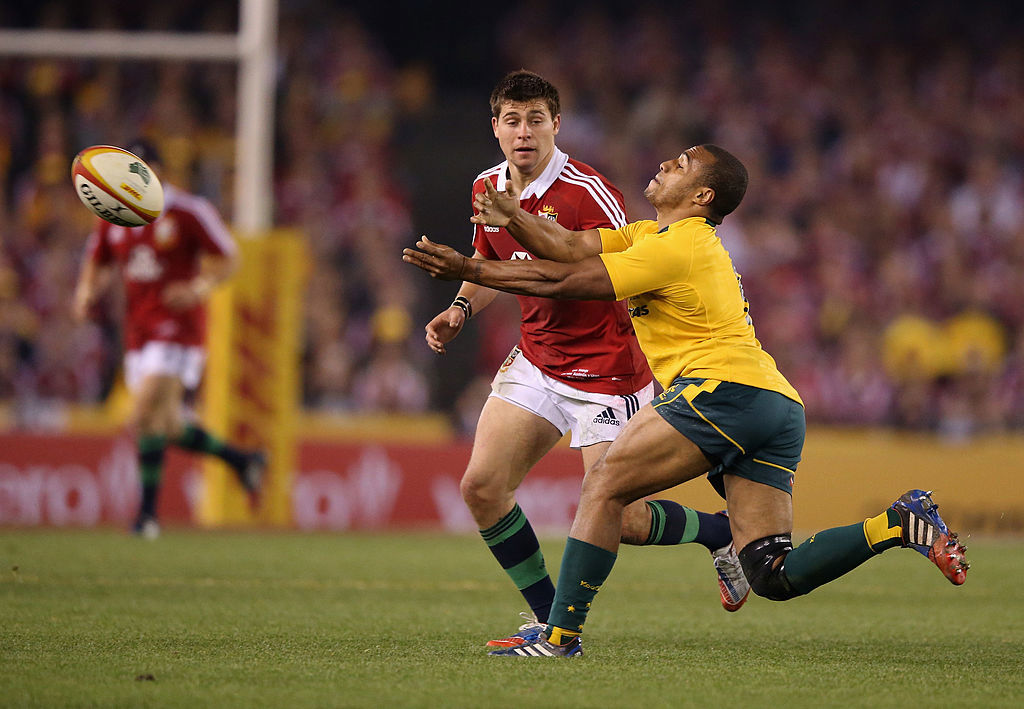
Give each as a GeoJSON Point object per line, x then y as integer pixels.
{"type": "Point", "coordinates": [671, 216]}
{"type": "Point", "coordinates": [522, 180]}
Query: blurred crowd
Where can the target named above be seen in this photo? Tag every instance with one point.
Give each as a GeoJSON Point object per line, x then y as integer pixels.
{"type": "Point", "coordinates": [881, 241]}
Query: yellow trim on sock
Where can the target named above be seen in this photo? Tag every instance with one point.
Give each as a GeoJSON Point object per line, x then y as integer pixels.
{"type": "Point", "coordinates": [877, 530]}
{"type": "Point", "coordinates": [560, 636]}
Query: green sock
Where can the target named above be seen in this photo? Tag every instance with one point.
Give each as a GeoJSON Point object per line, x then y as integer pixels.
{"type": "Point", "coordinates": [584, 570]}
{"type": "Point", "coordinates": [151, 458]}
{"type": "Point", "coordinates": [831, 553]}
{"type": "Point", "coordinates": [194, 438]}
{"type": "Point", "coordinates": [515, 546]}
{"type": "Point", "coordinates": [151, 465]}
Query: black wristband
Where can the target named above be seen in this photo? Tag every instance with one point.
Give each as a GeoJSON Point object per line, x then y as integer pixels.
{"type": "Point", "coordinates": [463, 302]}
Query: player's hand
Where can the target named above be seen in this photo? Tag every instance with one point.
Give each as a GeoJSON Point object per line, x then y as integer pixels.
{"type": "Point", "coordinates": [438, 260]}
{"type": "Point", "coordinates": [443, 329]}
{"type": "Point", "coordinates": [495, 208]}
{"type": "Point", "coordinates": [180, 295]}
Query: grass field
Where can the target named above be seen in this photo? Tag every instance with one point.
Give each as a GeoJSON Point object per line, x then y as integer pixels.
{"type": "Point", "coordinates": [97, 618]}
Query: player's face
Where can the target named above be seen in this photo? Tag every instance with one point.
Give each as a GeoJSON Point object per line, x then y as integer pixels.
{"type": "Point", "coordinates": [677, 179]}
{"type": "Point", "coordinates": [526, 133]}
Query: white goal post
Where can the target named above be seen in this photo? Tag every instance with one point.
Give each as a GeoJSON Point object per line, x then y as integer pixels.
{"type": "Point", "coordinates": [253, 48]}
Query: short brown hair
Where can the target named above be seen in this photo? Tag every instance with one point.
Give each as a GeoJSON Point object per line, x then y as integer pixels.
{"type": "Point", "coordinates": [523, 86]}
{"type": "Point", "coordinates": [728, 177]}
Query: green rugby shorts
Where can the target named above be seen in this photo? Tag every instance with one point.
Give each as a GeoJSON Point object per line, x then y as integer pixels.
{"type": "Point", "coordinates": [754, 433]}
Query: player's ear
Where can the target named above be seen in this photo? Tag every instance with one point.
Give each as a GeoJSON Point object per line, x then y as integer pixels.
{"type": "Point", "coordinates": [494, 125]}
{"type": "Point", "coordinates": [704, 196]}
{"type": "Point", "coordinates": [556, 122]}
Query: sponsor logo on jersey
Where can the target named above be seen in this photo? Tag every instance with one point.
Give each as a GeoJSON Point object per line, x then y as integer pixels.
{"type": "Point", "coordinates": [490, 228]}
{"type": "Point", "coordinates": [548, 212]}
{"type": "Point", "coordinates": [608, 417]}
{"type": "Point", "coordinates": [520, 256]}
{"type": "Point", "coordinates": [639, 311]}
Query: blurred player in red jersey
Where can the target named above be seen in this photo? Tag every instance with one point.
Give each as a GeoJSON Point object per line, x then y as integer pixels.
{"type": "Point", "coordinates": [169, 269]}
{"type": "Point", "coordinates": [577, 366]}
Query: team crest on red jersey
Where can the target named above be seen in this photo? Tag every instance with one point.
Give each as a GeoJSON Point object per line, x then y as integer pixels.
{"type": "Point", "coordinates": [548, 212]}
{"type": "Point", "coordinates": [165, 233]}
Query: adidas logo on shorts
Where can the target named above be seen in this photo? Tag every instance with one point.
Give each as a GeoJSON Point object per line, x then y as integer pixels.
{"type": "Point", "coordinates": [607, 416]}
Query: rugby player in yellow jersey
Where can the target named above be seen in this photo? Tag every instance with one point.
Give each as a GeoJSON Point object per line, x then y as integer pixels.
{"type": "Point", "coordinates": [726, 411]}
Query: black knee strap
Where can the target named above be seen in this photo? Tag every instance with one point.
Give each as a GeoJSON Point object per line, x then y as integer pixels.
{"type": "Point", "coordinates": [758, 562]}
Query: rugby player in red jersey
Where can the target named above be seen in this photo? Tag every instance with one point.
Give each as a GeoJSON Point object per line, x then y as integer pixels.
{"type": "Point", "coordinates": [169, 269]}
{"type": "Point", "coordinates": [577, 367]}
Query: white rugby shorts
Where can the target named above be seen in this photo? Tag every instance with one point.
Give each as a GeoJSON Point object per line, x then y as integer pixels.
{"type": "Point", "coordinates": [592, 418]}
{"type": "Point", "coordinates": [185, 362]}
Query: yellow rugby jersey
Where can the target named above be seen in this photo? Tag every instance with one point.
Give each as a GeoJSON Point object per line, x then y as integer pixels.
{"type": "Point", "coordinates": [687, 304]}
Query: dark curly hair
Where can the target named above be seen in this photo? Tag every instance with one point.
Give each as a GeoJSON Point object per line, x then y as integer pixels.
{"type": "Point", "coordinates": [523, 86]}
{"type": "Point", "coordinates": [727, 176]}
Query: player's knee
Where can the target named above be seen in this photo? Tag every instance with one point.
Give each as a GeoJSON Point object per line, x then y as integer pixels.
{"type": "Point", "coordinates": [481, 492]}
{"type": "Point", "coordinates": [147, 421]}
{"type": "Point", "coordinates": [763, 562]}
{"type": "Point", "coordinates": [603, 483]}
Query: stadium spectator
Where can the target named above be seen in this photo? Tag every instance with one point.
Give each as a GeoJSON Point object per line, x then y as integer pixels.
{"type": "Point", "coordinates": [169, 269]}
{"type": "Point", "coordinates": [894, 148]}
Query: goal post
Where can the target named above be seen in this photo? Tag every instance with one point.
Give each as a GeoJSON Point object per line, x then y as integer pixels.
{"type": "Point", "coordinates": [253, 49]}
{"type": "Point", "coordinates": [252, 377]}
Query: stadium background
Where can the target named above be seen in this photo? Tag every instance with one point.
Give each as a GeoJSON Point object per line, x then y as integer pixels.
{"type": "Point", "coordinates": [882, 242]}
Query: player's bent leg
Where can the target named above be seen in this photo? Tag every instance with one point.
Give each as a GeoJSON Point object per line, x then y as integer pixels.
{"type": "Point", "coordinates": [156, 406]}
{"type": "Point", "coordinates": [509, 441]}
{"type": "Point", "coordinates": [648, 456]}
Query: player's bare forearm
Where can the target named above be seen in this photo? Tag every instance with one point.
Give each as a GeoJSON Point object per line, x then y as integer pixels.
{"type": "Point", "coordinates": [550, 240]}
{"type": "Point", "coordinates": [478, 296]}
{"type": "Point", "coordinates": [584, 280]}
{"type": "Point", "coordinates": [93, 281]}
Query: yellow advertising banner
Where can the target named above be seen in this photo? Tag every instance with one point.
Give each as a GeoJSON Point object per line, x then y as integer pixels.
{"type": "Point", "coordinates": [848, 475]}
{"type": "Point", "coordinates": [251, 391]}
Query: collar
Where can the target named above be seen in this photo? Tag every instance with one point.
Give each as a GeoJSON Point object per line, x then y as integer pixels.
{"type": "Point", "coordinates": [706, 221]}
{"type": "Point", "coordinates": [539, 186]}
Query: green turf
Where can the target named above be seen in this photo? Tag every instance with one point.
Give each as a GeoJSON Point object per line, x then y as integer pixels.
{"type": "Point", "coordinates": [292, 620]}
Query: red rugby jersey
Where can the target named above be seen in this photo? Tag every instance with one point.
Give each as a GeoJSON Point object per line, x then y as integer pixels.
{"type": "Point", "coordinates": [588, 344]}
{"type": "Point", "coordinates": [152, 256]}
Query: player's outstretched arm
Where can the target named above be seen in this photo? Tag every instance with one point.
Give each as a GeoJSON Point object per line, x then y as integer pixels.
{"type": "Point", "coordinates": [449, 322]}
{"type": "Point", "coordinates": [541, 236]}
{"type": "Point", "coordinates": [583, 280]}
{"type": "Point", "coordinates": [92, 283]}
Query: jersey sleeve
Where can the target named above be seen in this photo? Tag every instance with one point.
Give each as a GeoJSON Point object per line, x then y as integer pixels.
{"type": "Point", "coordinates": [613, 240]}
{"type": "Point", "coordinates": [97, 246]}
{"type": "Point", "coordinates": [212, 233]}
{"type": "Point", "coordinates": [647, 265]}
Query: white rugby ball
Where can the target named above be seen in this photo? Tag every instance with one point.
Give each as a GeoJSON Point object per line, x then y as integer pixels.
{"type": "Point", "coordinates": [117, 186]}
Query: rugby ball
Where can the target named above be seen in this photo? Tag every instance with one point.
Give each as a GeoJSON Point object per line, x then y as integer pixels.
{"type": "Point", "coordinates": [117, 186]}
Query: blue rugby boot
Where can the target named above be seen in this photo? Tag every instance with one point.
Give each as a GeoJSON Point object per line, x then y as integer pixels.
{"type": "Point", "coordinates": [542, 648]}
{"type": "Point", "coordinates": [924, 531]}
{"type": "Point", "coordinates": [529, 632]}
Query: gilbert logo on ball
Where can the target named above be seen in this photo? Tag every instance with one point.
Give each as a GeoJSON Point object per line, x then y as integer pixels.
{"type": "Point", "coordinates": [117, 186]}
